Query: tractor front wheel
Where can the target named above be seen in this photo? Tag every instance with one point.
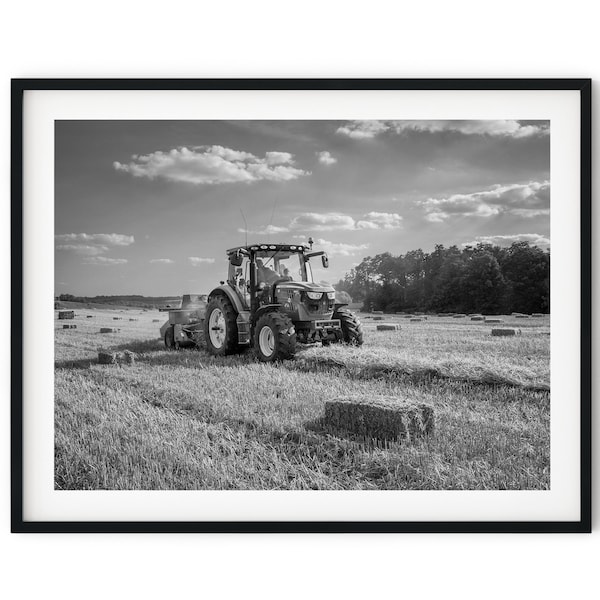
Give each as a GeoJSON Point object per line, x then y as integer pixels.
{"type": "Point", "coordinates": [275, 337]}
{"type": "Point", "coordinates": [352, 332]}
{"type": "Point", "coordinates": [220, 327]}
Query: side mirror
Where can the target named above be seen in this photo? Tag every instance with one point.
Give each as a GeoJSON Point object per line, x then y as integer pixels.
{"type": "Point", "coordinates": [325, 261]}
{"type": "Point", "coordinates": [236, 259]}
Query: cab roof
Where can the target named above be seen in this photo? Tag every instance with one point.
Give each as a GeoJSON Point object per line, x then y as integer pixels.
{"type": "Point", "coordinates": [273, 247]}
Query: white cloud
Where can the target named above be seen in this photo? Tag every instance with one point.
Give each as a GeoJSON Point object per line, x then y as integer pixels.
{"type": "Point", "coordinates": [340, 249]}
{"type": "Point", "coordinates": [212, 165]}
{"type": "Point", "coordinates": [325, 158]}
{"type": "Point", "coordinates": [339, 222]}
{"type": "Point", "coordinates": [108, 239]}
{"type": "Point", "coordinates": [104, 260]}
{"type": "Point", "coordinates": [526, 200]}
{"type": "Point", "coordinates": [268, 230]}
{"type": "Point", "coordinates": [196, 261]}
{"type": "Point", "coordinates": [506, 240]}
{"type": "Point", "coordinates": [377, 220]}
{"type": "Point", "coordinates": [321, 222]}
{"type": "Point", "coordinates": [161, 261]}
{"type": "Point", "coordinates": [362, 130]}
{"type": "Point", "coordinates": [83, 249]}
{"type": "Point", "coordinates": [491, 127]}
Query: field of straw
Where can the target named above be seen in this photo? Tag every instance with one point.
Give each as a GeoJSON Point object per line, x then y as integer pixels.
{"type": "Point", "coordinates": [185, 420]}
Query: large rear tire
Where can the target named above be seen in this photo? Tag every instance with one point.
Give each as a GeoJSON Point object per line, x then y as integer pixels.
{"type": "Point", "coordinates": [170, 339]}
{"type": "Point", "coordinates": [275, 337]}
{"type": "Point", "coordinates": [352, 331]}
{"type": "Point", "coordinates": [220, 327]}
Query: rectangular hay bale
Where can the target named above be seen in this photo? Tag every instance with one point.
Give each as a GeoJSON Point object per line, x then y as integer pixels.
{"type": "Point", "coordinates": [476, 318]}
{"type": "Point", "coordinates": [107, 358]}
{"type": "Point", "coordinates": [381, 418]}
{"type": "Point", "coordinates": [107, 330]}
{"type": "Point", "coordinates": [66, 314]}
{"type": "Point", "coordinates": [416, 320]}
{"type": "Point", "coordinates": [494, 320]}
{"type": "Point", "coordinates": [504, 332]}
{"type": "Point", "coordinates": [387, 327]}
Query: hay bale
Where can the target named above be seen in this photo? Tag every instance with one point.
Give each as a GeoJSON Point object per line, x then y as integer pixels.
{"type": "Point", "coordinates": [133, 319]}
{"type": "Point", "coordinates": [504, 332]}
{"type": "Point", "coordinates": [107, 358]}
{"type": "Point", "coordinates": [521, 316]}
{"type": "Point", "coordinates": [107, 330]}
{"type": "Point", "coordinates": [66, 314]}
{"type": "Point", "coordinates": [387, 327]}
{"type": "Point", "coordinates": [377, 318]}
{"type": "Point", "coordinates": [377, 312]}
{"type": "Point", "coordinates": [117, 318]}
{"type": "Point", "coordinates": [382, 418]}
{"type": "Point", "coordinates": [69, 326]}
{"type": "Point", "coordinates": [538, 315]}
{"type": "Point", "coordinates": [408, 316]}
{"type": "Point", "coordinates": [416, 320]}
{"type": "Point", "coordinates": [459, 316]}
{"type": "Point", "coordinates": [156, 320]}
{"type": "Point", "coordinates": [89, 316]}
{"type": "Point", "coordinates": [477, 318]}
{"type": "Point", "coordinates": [494, 320]}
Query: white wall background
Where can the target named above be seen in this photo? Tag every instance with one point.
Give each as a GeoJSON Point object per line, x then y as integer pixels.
{"type": "Point", "coordinates": [269, 38]}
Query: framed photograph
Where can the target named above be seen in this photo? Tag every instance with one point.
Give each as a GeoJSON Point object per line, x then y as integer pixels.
{"type": "Point", "coordinates": [308, 305]}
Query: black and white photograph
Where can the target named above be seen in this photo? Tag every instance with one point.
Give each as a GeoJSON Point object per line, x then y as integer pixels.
{"type": "Point", "coordinates": [302, 305]}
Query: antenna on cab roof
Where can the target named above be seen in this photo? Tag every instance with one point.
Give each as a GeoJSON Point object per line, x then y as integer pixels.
{"type": "Point", "coordinates": [245, 226]}
{"type": "Point", "coordinates": [310, 242]}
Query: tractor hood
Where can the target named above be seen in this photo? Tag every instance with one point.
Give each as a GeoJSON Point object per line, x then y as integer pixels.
{"type": "Point", "coordinates": [305, 286]}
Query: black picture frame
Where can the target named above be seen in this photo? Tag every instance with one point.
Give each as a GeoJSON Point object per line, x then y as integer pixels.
{"type": "Point", "coordinates": [19, 525]}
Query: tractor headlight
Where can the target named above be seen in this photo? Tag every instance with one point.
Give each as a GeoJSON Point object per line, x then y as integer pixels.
{"type": "Point", "coordinates": [331, 295]}
{"type": "Point", "coordinates": [314, 295]}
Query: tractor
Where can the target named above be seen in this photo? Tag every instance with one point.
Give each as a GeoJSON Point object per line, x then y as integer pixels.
{"type": "Point", "coordinates": [269, 302]}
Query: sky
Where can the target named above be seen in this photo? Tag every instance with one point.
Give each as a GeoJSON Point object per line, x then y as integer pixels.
{"type": "Point", "coordinates": [150, 207]}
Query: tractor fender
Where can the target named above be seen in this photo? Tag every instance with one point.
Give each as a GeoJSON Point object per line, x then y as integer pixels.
{"type": "Point", "coordinates": [265, 308]}
{"type": "Point", "coordinates": [339, 305]}
{"type": "Point", "coordinates": [229, 293]}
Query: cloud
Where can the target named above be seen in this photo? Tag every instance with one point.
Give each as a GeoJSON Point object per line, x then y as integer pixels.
{"type": "Point", "coordinates": [526, 200]}
{"type": "Point", "coordinates": [377, 220]}
{"type": "Point", "coordinates": [83, 249]}
{"type": "Point", "coordinates": [337, 221]}
{"type": "Point", "coordinates": [268, 230]}
{"type": "Point", "coordinates": [321, 222]}
{"type": "Point", "coordinates": [104, 260]}
{"type": "Point", "coordinates": [363, 130]}
{"type": "Point", "coordinates": [506, 240]}
{"type": "Point", "coordinates": [325, 158]}
{"type": "Point", "coordinates": [340, 249]}
{"type": "Point", "coordinates": [490, 127]}
{"type": "Point", "coordinates": [196, 261]}
{"type": "Point", "coordinates": [212, 165]}
{"type": "Point", "coordinates": [108, 239]}
{"type": "Point", "coordinates": [161, 261]}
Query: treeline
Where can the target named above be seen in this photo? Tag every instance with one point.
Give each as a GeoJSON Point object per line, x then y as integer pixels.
{"type": "Point", "coordinates": [133, 300]}
{"type": "Point", "coordinates": [485, 278]}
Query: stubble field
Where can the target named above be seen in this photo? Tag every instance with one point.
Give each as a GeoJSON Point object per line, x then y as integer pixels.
{"type": "Point", "coordinates": [183, 420]}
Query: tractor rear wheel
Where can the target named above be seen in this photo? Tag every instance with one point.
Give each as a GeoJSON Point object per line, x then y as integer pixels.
{"type": "Point", "coordinates": [220, 327]}
{"type": "Point", "coordinates": [275, 337]}
{"type": "Point", "coordinates": [352, 332]}
{"type": "Point", "coordinates": [170, 339]}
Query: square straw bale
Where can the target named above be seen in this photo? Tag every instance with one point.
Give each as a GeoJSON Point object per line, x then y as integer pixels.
{"type": "Point", "coordinates": [381, 418]}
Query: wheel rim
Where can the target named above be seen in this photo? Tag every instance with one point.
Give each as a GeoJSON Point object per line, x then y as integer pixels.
{"type": "Point", "coordinates": [266, 341]}
{"type": "Point", "coordinates": [217, 325]}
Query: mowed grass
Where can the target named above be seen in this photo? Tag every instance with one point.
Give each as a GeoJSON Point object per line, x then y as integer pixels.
{"type": "Point", "coordinates": [186, 420]}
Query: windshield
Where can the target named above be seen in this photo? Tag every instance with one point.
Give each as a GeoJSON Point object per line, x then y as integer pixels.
{"type": "Point", "coordinates": [278, 264]}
